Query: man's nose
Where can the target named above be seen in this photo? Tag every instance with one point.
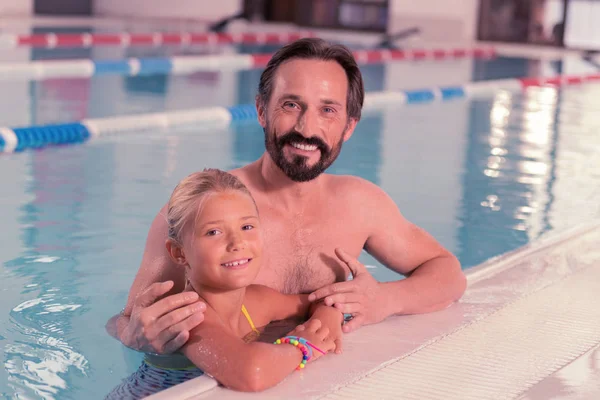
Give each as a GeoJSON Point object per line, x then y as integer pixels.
{"type": "Point", "coordinates": [308, 123]}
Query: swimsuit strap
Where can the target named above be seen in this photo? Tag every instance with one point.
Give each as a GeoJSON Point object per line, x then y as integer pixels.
{"type": "Point", "coordinates": [247, 315]}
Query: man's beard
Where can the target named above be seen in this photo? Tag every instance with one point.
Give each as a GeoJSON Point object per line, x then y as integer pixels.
{"type": "Point", "coordinates": [297, 169]}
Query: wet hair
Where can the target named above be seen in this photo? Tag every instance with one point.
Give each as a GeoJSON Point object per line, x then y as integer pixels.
{"type": "Point", "coordinates": [316, 49]}
{"type": "Point", "coordinates": [188, 196]}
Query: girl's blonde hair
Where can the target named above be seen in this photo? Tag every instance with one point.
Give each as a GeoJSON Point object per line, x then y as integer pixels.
{"type": "Point", "coordinates": [189, 194]}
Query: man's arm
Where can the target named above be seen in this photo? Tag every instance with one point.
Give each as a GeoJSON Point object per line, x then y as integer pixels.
{"type": "Point", "coordinates": [154, 319]}
{"type": "Point", "coordinates": [434, 276]}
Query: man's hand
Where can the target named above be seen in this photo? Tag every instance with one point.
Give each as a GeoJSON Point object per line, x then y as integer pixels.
{"type": "Point", "coordinates": [162, 326]}
{"type": "Point", "coordinates": [361, 297]}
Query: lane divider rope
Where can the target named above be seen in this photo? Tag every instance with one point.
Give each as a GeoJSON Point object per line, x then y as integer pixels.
{"type": "Point", "coordinates": [35, 137]}
{"type": "Point", "coordinates": [178, 65]}
{"type": "Point", "coordinates": [125, 39]}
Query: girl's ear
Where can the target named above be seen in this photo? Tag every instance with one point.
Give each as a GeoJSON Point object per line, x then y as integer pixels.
{"type": "Point", "coordinates": [176, 252]}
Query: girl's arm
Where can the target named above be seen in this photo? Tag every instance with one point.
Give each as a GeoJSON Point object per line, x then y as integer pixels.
{"type": "Point", "coordinates": [252, 366]}
{"type": "Point", "coordinates": [280, 306]}
{"type": "Point", "coordinates": [284, 306]}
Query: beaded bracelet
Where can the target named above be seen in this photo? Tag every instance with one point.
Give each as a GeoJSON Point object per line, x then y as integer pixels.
{"type": "Point", "coordinates": [301, 344]}
{"type": "Point", "coordinates": [306, 342]}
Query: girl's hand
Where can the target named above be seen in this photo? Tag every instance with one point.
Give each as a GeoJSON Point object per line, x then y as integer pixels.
{"type": "Point", "coordinates": [315, 334]}
{"type": "Point", "coordinates": [333, 319]}
{"type": "Point", "coordinates": [361, 297]}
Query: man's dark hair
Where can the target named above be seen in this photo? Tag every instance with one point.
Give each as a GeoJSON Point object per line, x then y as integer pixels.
{"type": "Point", "coordinates": [316, 49]}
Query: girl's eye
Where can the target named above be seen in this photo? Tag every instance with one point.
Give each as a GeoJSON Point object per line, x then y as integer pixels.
{"type": "Point", "coordinates": [212, 232]}
{"type": "Point", "coordinates": [247, 227]}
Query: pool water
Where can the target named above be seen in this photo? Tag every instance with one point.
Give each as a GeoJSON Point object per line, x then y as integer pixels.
{"type": "Point", "coordinates": [483, 176]}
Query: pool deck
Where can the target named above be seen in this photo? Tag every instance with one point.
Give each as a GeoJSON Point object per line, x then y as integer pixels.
{"type": "Point", "coordinates": [528, 327]}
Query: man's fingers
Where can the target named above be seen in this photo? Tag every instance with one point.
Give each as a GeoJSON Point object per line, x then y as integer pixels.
{"type": "Point", "coordinates": [339, 287]}
{"type": "Point", "coordinates": [174, 317]}
{"type": "Point", "coordinates": [349, 308]}
{"type": "Point", "coordinates": [350, 297]}
{"type": "Point", "coordinates": [172, 303]}
{"type": "Point", "coordinates": [173, 333]}
{"type": "Point", "coordinates": [153, 292]}
{"type": "Point", "coordinates": [353, 264]}
{"type": "Point", "coordinates": [354, 324]}
{"type": "Point", "coordinates": [177, 343]}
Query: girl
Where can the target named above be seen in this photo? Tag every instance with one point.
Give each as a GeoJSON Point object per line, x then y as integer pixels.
{"type": "Point", "coordinates": [215, 234]}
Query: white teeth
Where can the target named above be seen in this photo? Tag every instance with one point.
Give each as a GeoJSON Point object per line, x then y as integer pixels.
{"type": "Point", "coordinates": [307, 147]}
{"type": "Point", "coordinates": [236, 263]}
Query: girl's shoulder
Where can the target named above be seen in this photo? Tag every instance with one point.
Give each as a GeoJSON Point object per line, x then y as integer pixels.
{"type": "Point", "coordinates": [261, 292]}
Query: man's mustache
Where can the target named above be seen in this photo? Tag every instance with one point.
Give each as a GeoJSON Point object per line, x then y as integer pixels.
{"type": "Point", "coordinates": [295, 137]}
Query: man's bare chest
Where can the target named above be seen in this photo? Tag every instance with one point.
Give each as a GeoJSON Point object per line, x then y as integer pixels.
{"type": "Point", "coordinates": [299, 253]}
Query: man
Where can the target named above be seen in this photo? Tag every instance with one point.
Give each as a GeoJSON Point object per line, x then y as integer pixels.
{"type": "Point", "coordinates": [309, 101]}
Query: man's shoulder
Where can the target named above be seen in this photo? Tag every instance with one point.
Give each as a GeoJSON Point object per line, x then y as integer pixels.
{"type": "Point", "coordinates": [350, 184]}
{"type": "Point", "coordinates": [239, 172]}
{"type": "Point", "coordinates": [246, 174]}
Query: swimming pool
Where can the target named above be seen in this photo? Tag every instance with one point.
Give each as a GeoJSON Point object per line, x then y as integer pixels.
{"type": "Point", "coordinates": [483, 176]}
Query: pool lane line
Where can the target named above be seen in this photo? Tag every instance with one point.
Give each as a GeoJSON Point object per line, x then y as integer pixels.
{"type": "Point", "coordinates": [180, 65]}
{"type": "Point", "coordinates": [156, 39]}
{"type": "Point", "coordinates": [204, 119]}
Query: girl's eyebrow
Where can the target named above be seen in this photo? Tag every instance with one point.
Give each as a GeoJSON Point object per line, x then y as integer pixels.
{"type": "Point", "coordinates": [212, 222]}
{"type": "Point", "coordinates": [220, 220]}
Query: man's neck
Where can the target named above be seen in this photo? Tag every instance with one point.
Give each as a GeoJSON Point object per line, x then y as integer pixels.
{"type": "Point", "coordinates": [289, 194]}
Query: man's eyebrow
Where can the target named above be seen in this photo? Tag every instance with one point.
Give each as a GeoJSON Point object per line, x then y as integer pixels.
{"type": "Point", "coordinates": [329, 101]}
{"type": "Point", "coordinates": [290, 96]}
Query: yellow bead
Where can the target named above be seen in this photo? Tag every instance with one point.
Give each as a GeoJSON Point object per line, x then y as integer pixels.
{"type": "Point", "coordinates": [301, 365]}
{"type": "Point", "coordinates": [278, 341]}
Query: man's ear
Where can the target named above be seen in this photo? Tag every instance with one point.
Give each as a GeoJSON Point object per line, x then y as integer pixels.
{"type": "Point", "coordinates": [260, 110]}
{"type": "Point", "coordinates": [176, 252]}
{"type": "Point", "coordinates": [350, 128]}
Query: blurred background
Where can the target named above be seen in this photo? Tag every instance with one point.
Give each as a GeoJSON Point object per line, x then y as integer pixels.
{"type": "Point", "coordinates": [572, 23]}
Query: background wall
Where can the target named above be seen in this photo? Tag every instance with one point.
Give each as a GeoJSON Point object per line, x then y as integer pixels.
{"type": "Point", "coordinates": [193, 9]}
{"type": "Point", "coordinates": [583, 29]}
{"type": "Point", "coordinates": [440, 20]}
{"type": "Point", "coordinates": [15, 7]}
